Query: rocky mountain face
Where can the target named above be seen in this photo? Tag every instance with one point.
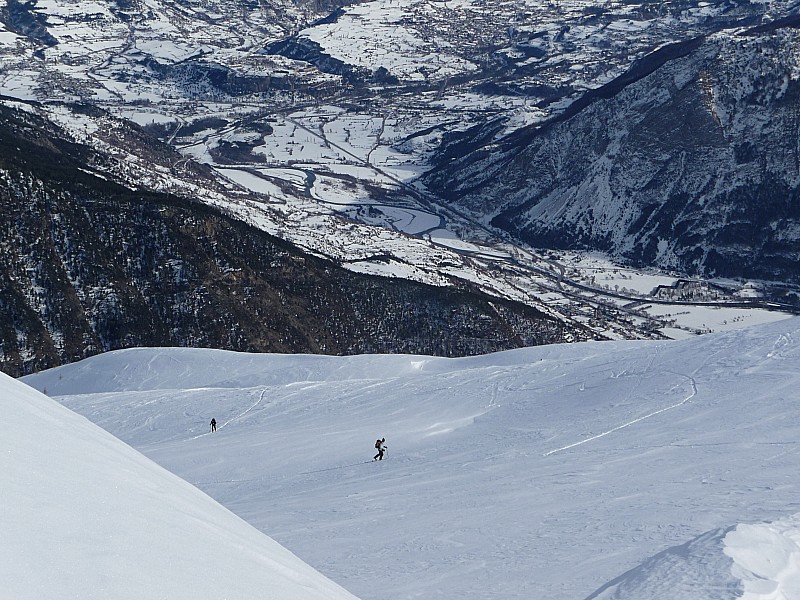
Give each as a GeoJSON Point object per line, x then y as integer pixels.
{"type": "Point", "coordinates": [88, 265]}
{"type": "Point", "coordinates": [690, 161]}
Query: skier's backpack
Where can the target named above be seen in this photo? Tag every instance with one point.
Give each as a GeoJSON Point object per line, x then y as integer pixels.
{"type": "Point", "coordinates": [378, 444]}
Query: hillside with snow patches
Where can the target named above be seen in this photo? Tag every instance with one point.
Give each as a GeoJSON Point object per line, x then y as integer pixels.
{"type": "Point", "coordinates": [635, 470]}
{"type": "Point", "coordinates": [86, 516]}
{"type": "Point", "coordinates": [316, 123]}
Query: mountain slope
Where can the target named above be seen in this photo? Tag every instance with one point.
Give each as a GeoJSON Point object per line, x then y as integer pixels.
{"type": "Point", "coordinates": [328, 157]}
{"type": "Point", "coordinates": [85, 516]}
{"type": "Point", "coordinates": [90, 265]}
{"type": "Point", "coordinates": [690, 161]}
{"type": "Point", "coordinates": [598, 470]}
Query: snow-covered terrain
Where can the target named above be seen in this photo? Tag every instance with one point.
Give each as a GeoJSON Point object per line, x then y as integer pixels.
{"type": "Point", "coordinates": [86, 516]}
{"type": "Point", "coordinates": [330, 158]}
{"type": "Point", "coordinates": [636, 470]}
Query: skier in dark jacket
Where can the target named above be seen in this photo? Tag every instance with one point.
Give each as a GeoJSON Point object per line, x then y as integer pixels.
{"type": "Point", "coordinates": [381, 449]}
{"type": "Point", "coordinates": [213, 424]}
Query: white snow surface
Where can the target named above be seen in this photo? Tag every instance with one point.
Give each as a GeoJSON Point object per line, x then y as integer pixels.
{"type": "Point", "coordinates": [86, 516]}
{"type": "Point", "coordinates": [767, 558]}
{"type": "Point", "coordinates": [625, 470]}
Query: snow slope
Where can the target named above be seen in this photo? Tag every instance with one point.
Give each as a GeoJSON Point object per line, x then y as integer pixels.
{"type": "Point", "coordinates": [86, 516]}
{"type": "Point", "coordinates": [601, 470]}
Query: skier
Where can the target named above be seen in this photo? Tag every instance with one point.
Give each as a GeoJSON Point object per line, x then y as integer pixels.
{"type": "Point", "coordinates": [213, 424]}
{"type": "Point", "coordinates": [381, 449]}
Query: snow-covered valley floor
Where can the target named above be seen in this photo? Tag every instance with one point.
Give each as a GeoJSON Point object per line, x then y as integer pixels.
{"type": "Point", "coordinates": [597, 470]}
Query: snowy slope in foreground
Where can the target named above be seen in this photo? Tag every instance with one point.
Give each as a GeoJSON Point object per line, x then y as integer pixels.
{"type": "Point", "coordinates": [85, 516]}
{"type": "Point", "coordinates": [635, 470]}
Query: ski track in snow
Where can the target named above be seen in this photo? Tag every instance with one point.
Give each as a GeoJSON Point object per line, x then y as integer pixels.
{"type": "Point", "coordinates": [237, 417]}
{"type": "Point", "coordinates": [629, 423]}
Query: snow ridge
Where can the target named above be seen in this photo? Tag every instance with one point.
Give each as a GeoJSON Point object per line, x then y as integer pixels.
{"type": "Point", "coordinates": [86, 516]}
{"type": "Point", "coordinates": [766, 558]}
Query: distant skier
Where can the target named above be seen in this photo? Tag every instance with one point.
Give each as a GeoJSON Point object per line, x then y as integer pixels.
{"type": "Point", "coordinates": [213, 424]}
{"type": "Point", "coordinates": [379, 444]}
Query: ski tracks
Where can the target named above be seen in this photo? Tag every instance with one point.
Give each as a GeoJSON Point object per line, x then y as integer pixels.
{"type": "Point", "coordinates": [237, 417]}
{"type": "Point", "coordinates": [691, 395]}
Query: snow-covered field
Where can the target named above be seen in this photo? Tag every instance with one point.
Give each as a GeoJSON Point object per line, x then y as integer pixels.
{"type": "Point", "coordinates": [86, 516]}
{"type": "Point", "coordinates": [628, 470]}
